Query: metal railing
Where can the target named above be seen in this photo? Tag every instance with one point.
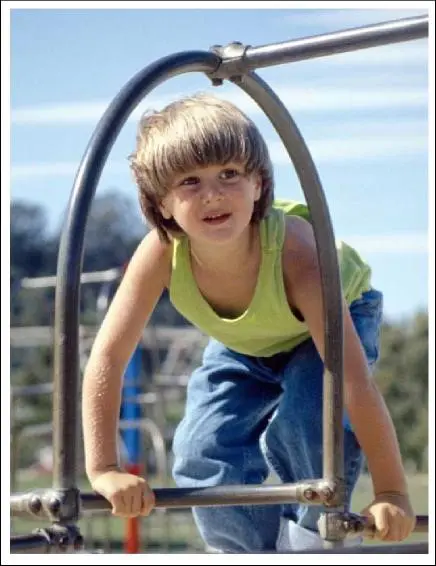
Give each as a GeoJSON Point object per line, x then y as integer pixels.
{"type": "Point", "coordinates": [236, 62]}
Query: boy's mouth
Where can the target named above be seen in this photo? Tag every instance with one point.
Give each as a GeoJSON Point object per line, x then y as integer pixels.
{"type": "Point", "coordinates": [217, 218]}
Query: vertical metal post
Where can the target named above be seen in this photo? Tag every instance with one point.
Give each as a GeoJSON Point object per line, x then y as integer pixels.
{"type": "Point", "coordinates": [333, 454]}
{"type": "Point", "coordinates": [70, 259]}
{"type": "Point", "coordinates": [131, 411]}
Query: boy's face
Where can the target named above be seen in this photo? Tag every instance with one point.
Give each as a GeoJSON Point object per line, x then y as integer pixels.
{"type": "Point", "coordinates": [213, 203]}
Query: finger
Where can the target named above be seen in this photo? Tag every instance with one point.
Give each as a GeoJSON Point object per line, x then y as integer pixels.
{"type": "Point", "coordinates": [369, 525]}
{"type": "Point", "coordinates": [134, 503]}
{"type": "Point", "coordinates": [381, 521]}
{"type": "Point", "coordinates": [147, 506]}
{"type": "Point", "coordinates": [399, 527]}
{"type": "Point", "coordinates": [121, 505]}
{"type": "Point", "coordinates": [117, 504]}
{"type": "Point", "coordinates": [394, 533]}
{"type": "Point", "coordinates": [407, 529]}
{"type": "Point", "coordinates": [411, 525]}
{"type": "Point", "coordinates": [148, 502]}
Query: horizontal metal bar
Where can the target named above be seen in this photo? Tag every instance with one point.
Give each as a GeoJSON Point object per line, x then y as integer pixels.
{"type": "Point", "coordinates": [31, 390]}
{"type": "Point", "coordinates": [230, 495]}
{"type": "Point", "coordinates": [238, 60]}
{"type": "Point", "coordinates": [308, 492]}
{"type": "Point", "coordinates": [91, 277]}
{"type": "Point", "coordinates": [210, 496]}
{"type": "Point", "coordinates": [26, 336]}
{"type": "Point", "coordinates": [338, 42]}
{"type": "Point", "coordinates": [40, 504]}
{"type": "Point", "coordinates": [405, 548]}
{"type": "Point", "coordinates": [29, 544]}
{"type": "Point", "coordinates": [421, 524]}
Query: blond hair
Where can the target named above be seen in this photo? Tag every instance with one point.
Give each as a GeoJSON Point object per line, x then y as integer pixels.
{"type": "Point", "coordinates": [193, 132]}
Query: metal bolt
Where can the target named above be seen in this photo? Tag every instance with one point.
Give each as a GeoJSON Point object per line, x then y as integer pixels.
{"type": "Point", "coordinates": [327, 493]}
{"type": "Point", "coordinates": [309, 494]}
{"type": "Point", "coordinates": [237, 79]}
{"type": "Point", "coordinates": [54, 505]}
{"type": "Point", "coordinates": [35, 504]}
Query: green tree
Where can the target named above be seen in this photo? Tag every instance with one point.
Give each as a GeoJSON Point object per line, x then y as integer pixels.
{"type": "Point", "coordinates": [403, 378]}
{"type": "Point", "coordinates": [28, 238]}
{"type": "Point", "coordinates": [114, 229]}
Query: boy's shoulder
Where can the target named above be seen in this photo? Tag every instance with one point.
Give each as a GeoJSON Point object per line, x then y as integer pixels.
{"type": "Point", "coordinates": [291, 208]}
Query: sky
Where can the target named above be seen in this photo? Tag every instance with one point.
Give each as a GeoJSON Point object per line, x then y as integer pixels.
{"type": "Point", "coordinates": [364, 115]}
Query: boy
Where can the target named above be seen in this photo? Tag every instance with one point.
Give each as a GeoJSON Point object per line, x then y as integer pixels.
{"type": "Point", "coordinates": [244, 269]}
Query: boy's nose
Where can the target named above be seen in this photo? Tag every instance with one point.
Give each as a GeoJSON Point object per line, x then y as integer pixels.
{"type": "Point", "coordinates": [211, 191]}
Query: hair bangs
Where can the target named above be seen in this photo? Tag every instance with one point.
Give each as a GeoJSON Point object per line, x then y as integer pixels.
{"type": "Point", "coordinates": [201, 140]}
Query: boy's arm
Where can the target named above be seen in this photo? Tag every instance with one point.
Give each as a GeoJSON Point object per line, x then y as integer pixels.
{"type": "Point", "coordinates": [142, 284]}
{"type": "Point", "coordinates": [367, 410]}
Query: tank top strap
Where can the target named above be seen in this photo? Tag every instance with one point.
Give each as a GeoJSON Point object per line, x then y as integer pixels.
{"type": "Point", "coordinates": [272, 231]}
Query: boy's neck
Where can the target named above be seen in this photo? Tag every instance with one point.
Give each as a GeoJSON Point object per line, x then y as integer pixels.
{"type": "Point", "coordinates": [231, 257]}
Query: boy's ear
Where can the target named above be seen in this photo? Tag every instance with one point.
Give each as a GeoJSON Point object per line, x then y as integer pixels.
{"type": "Point", "coordinates": [165, 212]}
{"type": "Point", "coordinates": [258, 188]}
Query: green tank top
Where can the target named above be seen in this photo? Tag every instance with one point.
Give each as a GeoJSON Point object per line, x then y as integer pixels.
{"type": "Point", "coordinates": [268, 326]}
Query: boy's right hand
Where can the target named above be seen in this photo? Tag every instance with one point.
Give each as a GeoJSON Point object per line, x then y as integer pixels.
{"type": "Point", "coordinates": [130, 495]}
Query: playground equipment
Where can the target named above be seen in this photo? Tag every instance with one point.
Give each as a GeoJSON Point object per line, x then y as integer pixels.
{"type": "Point", "coordinates": [134, 429]}
{"type": "Point", "coordinates": [63, 504]}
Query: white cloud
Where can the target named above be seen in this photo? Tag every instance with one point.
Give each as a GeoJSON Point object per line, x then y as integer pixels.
{"type": "Point", "coordinates": [332, 150]}
{"type": "Point", "coordinates": [59, 169]}
{"type": "Point", "coordinates": [407, 54]}
{"type": "Point", "coordinates": [296, 98]}
{"type": "Point", "coordinates": [73, 113]}
{"type": "Point", "coordinates": [352, 17]}
{"type": "Point", "coordinates": [299, 99]}
{"type": "Point", "coordinates": [399, 243]}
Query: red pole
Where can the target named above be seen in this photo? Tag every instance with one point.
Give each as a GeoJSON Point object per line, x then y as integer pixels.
{"type": "Point", "coordinates": [131, 534]}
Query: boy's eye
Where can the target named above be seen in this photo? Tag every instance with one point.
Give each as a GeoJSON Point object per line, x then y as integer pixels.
{"type": "Point", "coordinates": [189, 181]}
{"type": "Point", "coordinates": [229, 173]}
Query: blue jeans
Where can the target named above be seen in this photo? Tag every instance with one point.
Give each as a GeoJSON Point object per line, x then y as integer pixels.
{"type": "Point", "coordinates": [244, 414]}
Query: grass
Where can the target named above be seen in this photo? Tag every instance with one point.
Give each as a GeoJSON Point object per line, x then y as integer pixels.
{"type": "Point", "coordinates": [174, 531]}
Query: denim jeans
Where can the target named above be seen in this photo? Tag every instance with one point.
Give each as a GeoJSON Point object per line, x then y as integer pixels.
{"type": "Point", "coordinates": [245, 415]}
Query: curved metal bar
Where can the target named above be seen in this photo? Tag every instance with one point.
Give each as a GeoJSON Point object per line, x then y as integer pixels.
{"type": "Point", "coordinates": [305, 168]}
{"type": "Point", "coordinates": [66, 362]}
{"type": "Point", "coordinates": [148, 425]}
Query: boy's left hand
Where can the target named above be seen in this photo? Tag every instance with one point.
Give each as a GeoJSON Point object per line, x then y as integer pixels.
{"type": "Point", "coordinates": [392, 515]}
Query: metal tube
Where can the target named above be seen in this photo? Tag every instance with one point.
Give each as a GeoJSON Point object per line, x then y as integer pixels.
{"type": "Point", "coordinates": [209, 496]}
{"type": "Point", "coordinates": [179, 498]}
{"type": "Point", "coordinates": [338, 42]}
{"type": "Point", "coordinates": [269, 102]}
{"type": "Point", "coordinates": [91, 277]}
{"type": "Point", "coordinates": [70, 259]}
{"type": "Point", "coordinates": [29, 544]}
{"type": "Point", "coordinates": [413, 548]}
{"type": "Point", "coordinates": [31, 505]}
